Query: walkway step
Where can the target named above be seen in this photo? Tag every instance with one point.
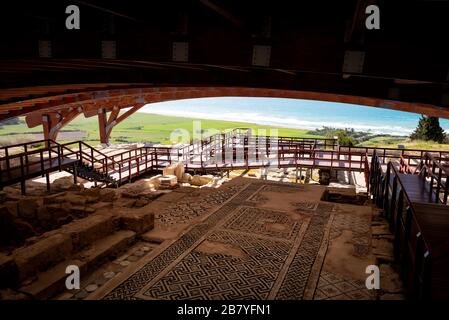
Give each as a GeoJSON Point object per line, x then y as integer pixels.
{"type": "Point", "coordinates": [42, 255]}
{"type": "Point", "coordinates": [107, 247]}
{"type": "Point", "coordinates": [52, 281]}
{"type": "Point", "coordinates": [90, 229]}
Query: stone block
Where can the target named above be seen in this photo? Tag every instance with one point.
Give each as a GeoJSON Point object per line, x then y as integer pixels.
{"type": "Point", "coordinates": [74, 199]}
{"type": "Point", "coordinates": [168, 171]}
{"type": "Point", "coordinates": [179, 171]}
{"type": "Point", "coordinates": [87, 230]}
{"type": "Point", "coordinates": [107, 195]}
{"type": "Point", "coordinates": [52, 281]}
{"type": "Point", "coordinates": [201, 180]}
{"type": "Point", "coordinates": [107, 247]}
{"type": "Point", "coordinates": [28, 207]}
{"type": "Point", "coordinates": [54, 198]}
{"type": "Point", "coordinates": [138, 221]}
{"type": "Point", "coordinates": [186, 178]}
{"type": "Point", "coordinates": [168, 180]}
{"type": "Point", "coordinates": [42, 255]}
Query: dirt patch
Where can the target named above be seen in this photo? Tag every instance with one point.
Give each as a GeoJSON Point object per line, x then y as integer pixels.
{"type": "Point", "coordinates": [276, 227]}
{"type": "Point", "coordinates": [340, 258]}
{"type": "Point", "coordinates": [212, 247]}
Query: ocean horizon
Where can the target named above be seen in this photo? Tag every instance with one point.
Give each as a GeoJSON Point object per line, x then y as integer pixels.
{"type": "Point", "coordinates": [293, 113]}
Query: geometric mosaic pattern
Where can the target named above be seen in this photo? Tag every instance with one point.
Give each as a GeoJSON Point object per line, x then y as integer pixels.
{"type": "Point", "coordinates": [295, 282]}
{"type": "Point", "coordinates": [284, 188]}
{"type": "Point", "coordinates": [264, 222]}
{"type": "Point", "coordinates": [193, 206]}
{"type": "Point", "coordinates": [217, 276]}
{"type": "Point", "coordinates": [335, 287]}
{"type": "Point", "coordinates": [305, 206]}
{"type": "Point", "coordinates": [128, 288]}
{"type": "Point", "coordinates": [358, 224]}
{"type": "Point", "coordinates": [278, 255]}
{"type": "Point", "coordinates": [259, 198]}
{"type": "Point", "coordinates": [360, 227]}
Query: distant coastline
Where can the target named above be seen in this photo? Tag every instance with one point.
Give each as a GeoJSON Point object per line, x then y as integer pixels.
{"type": "Point", "coordinates": [293, 113]}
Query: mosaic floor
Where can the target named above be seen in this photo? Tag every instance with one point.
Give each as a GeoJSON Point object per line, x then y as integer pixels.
{"type": "Point", "coordinates": [255, 240]}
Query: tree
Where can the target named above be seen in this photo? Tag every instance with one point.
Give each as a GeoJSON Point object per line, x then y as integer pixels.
{"type": "Point", "coordinates": [428, 129]}
{"type": "Point", "coordinates": [344, 139]}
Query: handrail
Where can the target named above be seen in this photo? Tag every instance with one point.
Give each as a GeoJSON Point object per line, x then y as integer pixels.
{"type": "Point", "coordinates": [431, 169]}
{"type": "Point", "coordinates": [398, 205]}
{"type": "Point", "coordinates": [367, 173]}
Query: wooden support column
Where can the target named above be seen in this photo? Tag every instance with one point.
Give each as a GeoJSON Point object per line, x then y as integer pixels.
{"type": "Point", "coordinates": [50, 126]}
{"type": "Point", "coordinates": [46, 125]}
{"type": "Point", "coordinates": [102, 126]}
{"type": "Point", "coordinates": [107, 124]}
{"type": "Point", "coordinates": [52, 122]}
{"type": "Point", "coordinates": [112, 121]}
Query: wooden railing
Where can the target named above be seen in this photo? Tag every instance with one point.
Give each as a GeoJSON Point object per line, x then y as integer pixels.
{"type": "Point", "coordinates": [411, 157]}
{"type": "Point", "coordinates": [437, 176]}
{"type": "Point", "coordinates": [92, 157]}
{"type": "Point", "coordinates": [367, 173]}
{"type": "Point", "coordinates": [410, 245]}
{"type": "Point", "coordinates": [422, 262]}
{"type": "Point", "coordinates": [210, 152]}
{"type": "Point", "coordinates": [30, 160]}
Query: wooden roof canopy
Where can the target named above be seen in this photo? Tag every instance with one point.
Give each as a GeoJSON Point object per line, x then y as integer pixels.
{"type": "Point", "coordinates": [404, 64]}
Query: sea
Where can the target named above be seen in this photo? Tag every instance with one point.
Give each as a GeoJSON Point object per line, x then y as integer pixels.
{"type": "Point", "coordinates": [293, 113]}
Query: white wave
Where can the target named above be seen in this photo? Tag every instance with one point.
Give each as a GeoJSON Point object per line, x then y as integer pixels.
{"type": "Point", "coordinates": [258, 118]}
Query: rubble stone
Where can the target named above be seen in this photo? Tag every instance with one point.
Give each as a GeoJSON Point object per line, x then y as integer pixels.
{"type": "Point", "coordinates": [28, 207]}
{"type": "Point", "coordinates": [198, 180]}
{"type": "Point", "coordinates": [42, 254]}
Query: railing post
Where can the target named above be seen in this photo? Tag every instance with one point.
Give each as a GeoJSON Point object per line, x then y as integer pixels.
{"type": "Point", "coordinates": [58, 147]}
{"type": "Point", "coordinates": [392, 206]}
{"type": "Point", "coordinates": [22, 176]}
{"type": "Point", "coordinates": [397, 229]}
{"type": "Point", "coordinates": [419, 258]}
{"type": "Point", "coordinates": [8, 164]}
{"type": "Point", "coordinates": [446, 190]}
{"type": "Point", "coordinates": [432, 178]}
{"type": "Point", "coordinates": [25, 148]}
{"type": "Point", "coordinates": [404, 253]}
{"type": "Point", "coordinates": [386, 191]}
{"type": "Point", "coordinates": [49, 155]}
{"type": "Point", "coordinates": [437, 192]}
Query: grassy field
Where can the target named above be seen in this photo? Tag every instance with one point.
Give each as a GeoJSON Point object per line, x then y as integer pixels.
{"type": "Point", "coordinates": [393, 142]}
{"type": "Point", "coordinates": [145, 127]}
